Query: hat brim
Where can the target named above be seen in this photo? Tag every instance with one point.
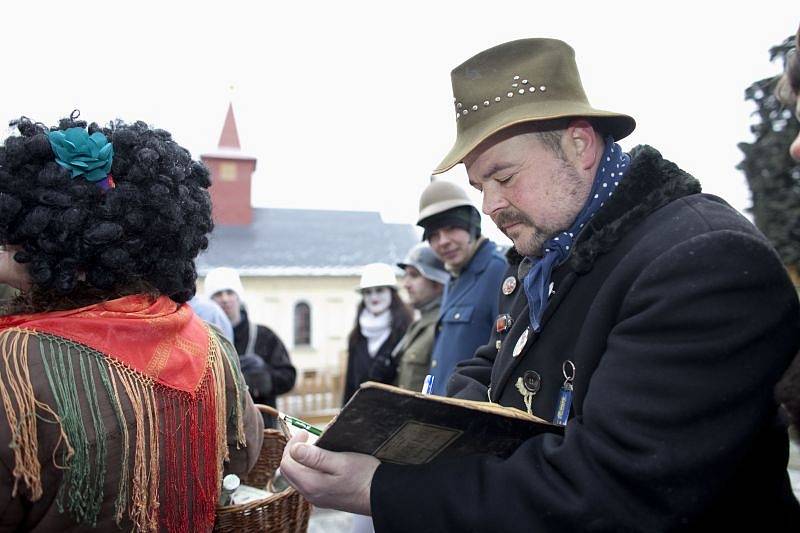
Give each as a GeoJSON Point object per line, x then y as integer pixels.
{"type": "Point", "coordinates": [427, 274]}
{"type": "Point", "coordinates": [616, 124]}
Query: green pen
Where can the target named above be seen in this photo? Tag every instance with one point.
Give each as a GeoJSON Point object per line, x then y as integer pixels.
{"type": "Point", "coordinates": [296, 422]}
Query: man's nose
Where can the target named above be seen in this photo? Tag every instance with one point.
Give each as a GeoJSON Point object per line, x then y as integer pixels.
{"type": "Point", "coordinates": [492, 202]}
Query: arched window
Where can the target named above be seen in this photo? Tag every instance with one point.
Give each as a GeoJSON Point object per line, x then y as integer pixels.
{"type": "Point", "coordinates": [302, 324]}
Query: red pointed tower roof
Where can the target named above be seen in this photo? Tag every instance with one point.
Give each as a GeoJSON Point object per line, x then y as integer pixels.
{"type": "Point", "coordinates": [231, 177]}
{"type": "Point", "coordinates": [230, 136]}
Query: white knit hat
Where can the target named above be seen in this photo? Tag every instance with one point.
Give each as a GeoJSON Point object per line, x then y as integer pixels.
{"type": "Point", "coordinates": [223, 279]}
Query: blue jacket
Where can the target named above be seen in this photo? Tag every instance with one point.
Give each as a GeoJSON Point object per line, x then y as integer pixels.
{"type": "Point", "coordinates": [469, 309]}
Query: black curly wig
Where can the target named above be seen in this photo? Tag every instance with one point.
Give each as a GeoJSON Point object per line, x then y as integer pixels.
{"type": "Point", "coordinates": [83, 245]}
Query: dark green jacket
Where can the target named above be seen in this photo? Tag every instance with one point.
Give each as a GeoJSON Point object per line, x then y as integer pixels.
{"type": "Point", "coordinates": [413, 352]}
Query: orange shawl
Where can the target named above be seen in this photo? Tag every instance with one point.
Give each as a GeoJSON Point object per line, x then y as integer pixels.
{"type": "Point", "coordinates": [173, 352]}
{"type": "Point", "coordinates": [172, 370]}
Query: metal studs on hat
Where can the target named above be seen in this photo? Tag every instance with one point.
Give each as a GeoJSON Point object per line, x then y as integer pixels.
{"type": "Point", "coordinates": [515, 88]}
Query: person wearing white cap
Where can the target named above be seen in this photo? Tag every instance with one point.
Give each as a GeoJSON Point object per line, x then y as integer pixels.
{"type": "Point", "coordinates": [381, 321]}
{"type": "Point", "coordinates": [264, 359]}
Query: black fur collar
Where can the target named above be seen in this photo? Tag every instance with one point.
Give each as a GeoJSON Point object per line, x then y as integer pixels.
{"type": "Point", "coordinates": [650, 183]}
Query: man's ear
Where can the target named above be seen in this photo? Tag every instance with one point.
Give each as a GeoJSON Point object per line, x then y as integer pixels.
{"type": "Point", "coordinates": [582, 144]}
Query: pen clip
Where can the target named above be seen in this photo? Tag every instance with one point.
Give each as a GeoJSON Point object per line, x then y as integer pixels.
{"type": "Point", "coordinates": [427, 386]}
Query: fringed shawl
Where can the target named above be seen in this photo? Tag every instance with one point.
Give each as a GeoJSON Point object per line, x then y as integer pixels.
{"type": "Point", "coordinates": [154, 356]}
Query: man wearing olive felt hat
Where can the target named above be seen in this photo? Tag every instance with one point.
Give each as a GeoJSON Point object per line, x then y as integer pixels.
{"type": "Point", "coordinates": [522, 81]}
{"type": "Point", "coordinates": [649, 320]}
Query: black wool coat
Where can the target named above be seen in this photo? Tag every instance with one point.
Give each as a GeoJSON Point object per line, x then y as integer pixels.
{"type": "Point", "coordinates": [278, 376]}
{"type": "Point", "coordinates": [679, 319]}
{"type": "Point", "coordinates": [362, 367]}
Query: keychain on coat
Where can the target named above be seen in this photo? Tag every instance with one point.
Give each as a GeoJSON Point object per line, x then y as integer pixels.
{"type": "Point", "coordinates": [565, 394]}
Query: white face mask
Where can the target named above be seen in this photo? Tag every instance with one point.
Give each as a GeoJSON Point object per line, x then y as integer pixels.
{"type": "Point", "coordinates": [377, 299]}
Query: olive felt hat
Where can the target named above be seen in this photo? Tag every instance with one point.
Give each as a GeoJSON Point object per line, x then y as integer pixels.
{"type": "Point", "coordinates": [520, 81]}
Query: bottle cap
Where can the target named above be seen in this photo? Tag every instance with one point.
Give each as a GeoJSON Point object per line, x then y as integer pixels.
{"type": "Point", "coordinates": [230, 482]}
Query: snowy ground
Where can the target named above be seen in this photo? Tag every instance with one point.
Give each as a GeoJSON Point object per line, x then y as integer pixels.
{"type": "Point", "coordinates": [329, 521]}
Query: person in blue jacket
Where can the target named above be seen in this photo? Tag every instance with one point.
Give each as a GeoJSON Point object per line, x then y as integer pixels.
{"type": "Point", "coordinates": [452, 227]}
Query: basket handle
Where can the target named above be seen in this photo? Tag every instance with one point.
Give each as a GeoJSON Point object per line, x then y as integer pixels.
{"type": "Point", "coordinates": [268, 409]}
{"type": "Point", "coordinates": [282, 427]}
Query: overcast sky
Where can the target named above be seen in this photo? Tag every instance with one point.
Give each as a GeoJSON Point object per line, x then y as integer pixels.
{"type": "Point", "coordinates": [349, 106]}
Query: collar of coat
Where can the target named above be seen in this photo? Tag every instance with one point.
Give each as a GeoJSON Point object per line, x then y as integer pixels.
{"type": "Point", "coordinates": [651, 183]}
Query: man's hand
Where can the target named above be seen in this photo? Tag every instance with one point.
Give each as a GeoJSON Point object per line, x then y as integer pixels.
{"type": "Point", "coordinates": [329, 479]}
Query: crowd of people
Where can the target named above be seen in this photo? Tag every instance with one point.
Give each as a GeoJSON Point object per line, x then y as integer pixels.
{"type": "Point", "coordinates": [652, 321]}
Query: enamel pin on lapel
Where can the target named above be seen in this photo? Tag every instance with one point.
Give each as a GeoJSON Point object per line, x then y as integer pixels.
{"type": "Point", "coordinates": [503, 323]}
{"type": "Point", "coordinates": [509, 285]}
{"type": "Point", "coordinates": [521, 342]}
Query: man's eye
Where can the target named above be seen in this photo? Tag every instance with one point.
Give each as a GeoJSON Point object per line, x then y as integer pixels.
{"type": "Point", "coordinates": [504, 179]}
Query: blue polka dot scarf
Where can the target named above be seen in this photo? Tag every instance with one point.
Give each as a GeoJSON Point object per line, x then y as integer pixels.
{"type": "Point", "coordinates": [556, 250]}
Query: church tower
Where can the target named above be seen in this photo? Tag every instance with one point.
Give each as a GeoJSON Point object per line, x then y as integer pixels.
{"type": "Point", "coordinates": [231, 177]}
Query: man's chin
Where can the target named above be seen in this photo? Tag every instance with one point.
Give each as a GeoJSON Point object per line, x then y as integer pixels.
{"type": "Point", "coordinates": [527, 247]}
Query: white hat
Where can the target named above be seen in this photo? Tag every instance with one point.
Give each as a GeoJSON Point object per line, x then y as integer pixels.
{"type": "Point", "coordinates": [223, 279]}
{"type": "Point", "coordinates": [377, 275]}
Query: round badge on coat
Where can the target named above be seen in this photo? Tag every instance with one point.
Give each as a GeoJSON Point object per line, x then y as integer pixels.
{"type": "Point", "coordinates": [521, 342]}
{"type": "Point", "coordinates": [509, 285]}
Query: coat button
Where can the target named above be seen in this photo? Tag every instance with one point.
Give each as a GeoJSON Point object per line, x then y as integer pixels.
{"type": "Point", "coordinates": [433, 363]}
{"type": "Point", "coordinates": [532, 381]}
{"type": "Point", "coordinates": [457, 316]}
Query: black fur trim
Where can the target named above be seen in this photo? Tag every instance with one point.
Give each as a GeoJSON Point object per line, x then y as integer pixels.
{"type": "Point", "coordinates": [650, 183]}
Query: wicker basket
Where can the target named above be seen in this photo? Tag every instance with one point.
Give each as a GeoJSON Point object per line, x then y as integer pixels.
{"type": "Point", "coordinates": [284, 512]}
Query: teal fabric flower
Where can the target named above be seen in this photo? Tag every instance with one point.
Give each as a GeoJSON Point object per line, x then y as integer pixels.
{"type": "Point", "coordinates": [81, 153]}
